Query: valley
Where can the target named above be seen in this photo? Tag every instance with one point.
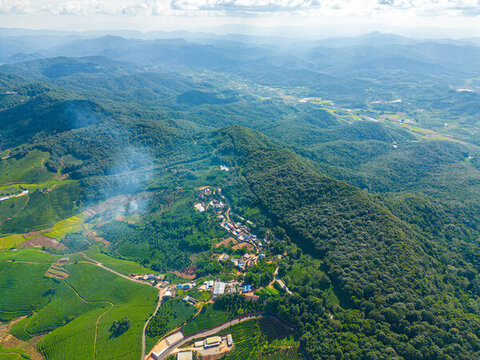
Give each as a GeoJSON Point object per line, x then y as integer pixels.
{"type": "Point", "coordinates": [311, 201]}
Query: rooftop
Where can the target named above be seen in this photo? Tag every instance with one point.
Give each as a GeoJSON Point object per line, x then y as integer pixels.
{"type": "Point", "coordinates": [219, 288]}
{"type": "Point", "coordinates": [187, 355]}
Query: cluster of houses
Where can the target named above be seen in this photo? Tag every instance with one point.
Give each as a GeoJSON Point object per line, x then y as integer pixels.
{"type": "Point", "coordinates": [199, 206]}
{"type": "Point", "coordinates": [248, 260]}
{"type": "Point", "coordinates": [171, 292]}
{"type": "Point", "coordinates": [153, 279]}
{"type": "Point", "coordinates": [240, 232]}
{"type": "Point", "coordinates": [220, 287]}
{"type": "Point", "coordinates": [204, 194]}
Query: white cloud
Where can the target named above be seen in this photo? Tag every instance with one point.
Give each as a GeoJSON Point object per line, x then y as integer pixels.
{"type": "Point", "coordinates": [15, 7]}
{"type": "Point", "coordinates": [238, 8]}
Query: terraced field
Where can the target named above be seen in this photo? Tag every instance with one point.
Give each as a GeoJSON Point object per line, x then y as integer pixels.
{"type": "Point", "coordinates": [13, 354]}
{"type": "Point", "coordinates": [77, 312]}
{"type": "Point", "coordinates": [69, 225]}
{"type": "Point", "coordinates": [11, 241]}
{"type": "Point", "coordinates": [253, 341]}
{"type": "Point", "coordinates": [112, 298]}
{"type": "Point", "coordinates": [44, 209]}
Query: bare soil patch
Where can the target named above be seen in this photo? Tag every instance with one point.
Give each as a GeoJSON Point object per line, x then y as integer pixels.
{"type": "Point", "coordinates": [243, 245]}
{"type": "Point", "coordinates": [183, 275]}
{"type": "Point", "coordinates": [40, 241]}
{"type": "Point", "coordinates": [9, 341]}
{"type": "Point", "coordinates": [92, 234]}
{"type": "Point", "coordinates": [227, 242]}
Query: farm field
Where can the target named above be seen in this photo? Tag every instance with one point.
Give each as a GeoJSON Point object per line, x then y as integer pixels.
{"type": "Point", "coordinates": [206, 319]}
{"type": "Point", "coordinates": [22, 288]}
{"type": "Point", "coordinates": [262, 339]}
{"type": "Point", "coordinates": [77, 312]}
{"type": "Point", "coordinates": [113, 298]}
{"type": "Point", "coordinates": [125, 267]}
{"type": "Point", "coordinates": [28, 169]}
{"type": "Point", "coordinates": [11, 207]}
{"type": "Point", "coordinates": [28, 255]}
{"type": "Point", "coordinates": [172, 314]}
{"type": "Point", "coordinates": [69, 225]}
{"type": "Point", "coordinates": [11, 241]}
{"type": "Point", "coordinates": [44, 209]}
{"type": "Point", "coordinates": [13, 354]}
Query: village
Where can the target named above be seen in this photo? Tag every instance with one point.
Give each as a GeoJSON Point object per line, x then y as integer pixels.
{"type": "Point", "coordinates": [190, 292]}
{"type": "Point", "coordinates": [241, 235]}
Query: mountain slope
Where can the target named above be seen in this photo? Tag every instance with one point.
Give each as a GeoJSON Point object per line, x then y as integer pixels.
{"type": "Point", "coordinates": [392, 274]}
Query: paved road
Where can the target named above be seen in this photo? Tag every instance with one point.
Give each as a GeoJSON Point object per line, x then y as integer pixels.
{"type": "Point", "coordinates": [281, 283]}
{"type": "Point", "coordinates": [99, 264]}
{"type": "Point", "coordinates": [160, 297]}
{"type": "Point", "coordinates": [206, 333]}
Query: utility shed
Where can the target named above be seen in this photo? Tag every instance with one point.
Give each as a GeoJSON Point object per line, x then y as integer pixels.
{"type": "Point", "coordinates": [229, 340]}
{"type": "Point", "coordinates": [212, 341]}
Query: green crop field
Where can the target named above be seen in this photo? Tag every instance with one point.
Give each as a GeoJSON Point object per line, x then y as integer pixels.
{"type": "Point", "coordinates": [69, 225]}
{"type": "Point", "coordinates": [172, 314]}
{"type": "Point", "coordinates": [260, 339]}
{"type": "Point", "coordinates": [267, 291]}
{"type": "Point", "coordinates": [112, 298]}
{"type": "Point", "coordinates": [28, 169]}
{"type": "Point", "coordinates": [125, 267]}
{"type": "Point", "coordinates": [76, 312]}
{"type": "Point", "coordinates": [206, 319]}
{"type": "Point", "coordinates": [74, 340]}
{"type": "Point", "coordinates": [44, 209]}
{"type": "Point", "coordinates": [22, 288]}
{"type": "Point", "coordinates": [11, 241]}
{"type": "Point", "coordinates": [11, 207]}
{"type": "Point", "coordinates": [13, 354]}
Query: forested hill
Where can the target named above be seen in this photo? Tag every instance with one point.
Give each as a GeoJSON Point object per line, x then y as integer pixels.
{"type": "Point", "coordinates": [399, 279]}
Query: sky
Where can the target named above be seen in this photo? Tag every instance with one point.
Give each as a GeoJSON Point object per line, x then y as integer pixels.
{"type": "Point", "coordinates": [315, 18]}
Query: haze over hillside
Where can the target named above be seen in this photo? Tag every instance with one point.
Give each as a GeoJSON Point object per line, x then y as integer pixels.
{"type": "Point", "coordinates": [300, 197]}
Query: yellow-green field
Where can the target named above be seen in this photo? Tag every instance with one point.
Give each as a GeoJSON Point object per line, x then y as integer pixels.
{"type": "Point", "coordinates": [11, 241]}
{"type": "Point", "coordinates": [69, 225]}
